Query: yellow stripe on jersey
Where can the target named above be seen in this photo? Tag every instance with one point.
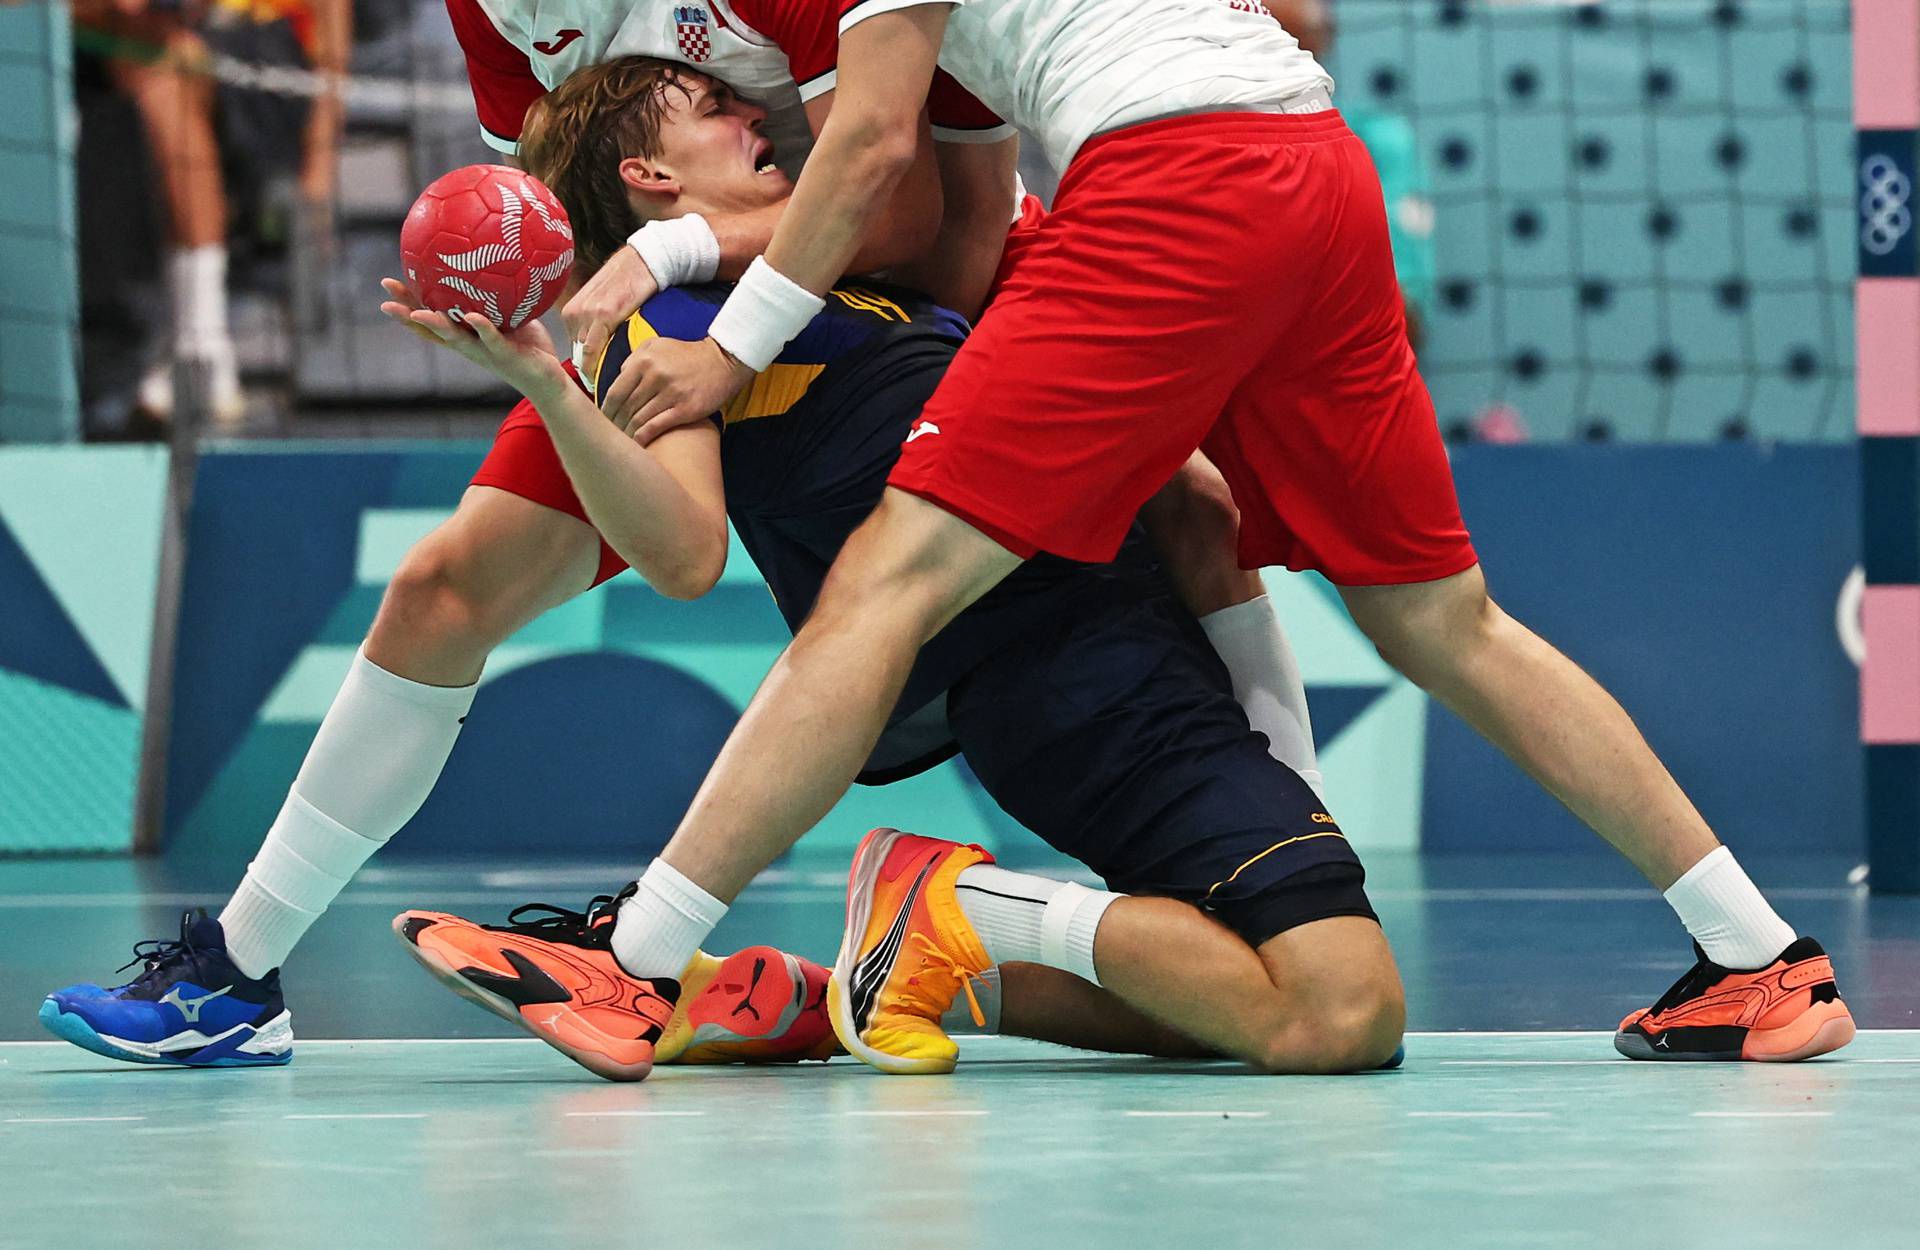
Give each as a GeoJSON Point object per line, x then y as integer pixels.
{"type": "Point", "coordinates": [868, 301]}
{"type": "Point", "coordinates": [772, 393]}
{"type": "Point", "coordinates": [775, 391]}
{"type": "Point", "coordinates": [638, 332]}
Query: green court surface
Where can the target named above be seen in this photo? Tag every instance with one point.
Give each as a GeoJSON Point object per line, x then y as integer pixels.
{"type": "Point", "coordinates": [1483, 1139]}
{"type": "Point", "coordinates": [455, 1131]}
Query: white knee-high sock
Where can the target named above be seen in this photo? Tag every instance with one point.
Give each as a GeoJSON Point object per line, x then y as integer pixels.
{"type": "Point", "coordinates": [1726, 914]}
{"type": "Point", "coordinates": [1035, 920]}
{"type": "Point", "coordinates": [379, 750]}
{"type": "Point", "coordinates": [1266, 681]}
{"type": "Point", "coordinates": [662, 925]}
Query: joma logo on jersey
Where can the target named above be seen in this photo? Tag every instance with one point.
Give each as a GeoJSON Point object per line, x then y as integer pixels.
{"type": "Point", "coordinates": [690, 25]}
{"type": "Point", "coordinates": [553, 46]}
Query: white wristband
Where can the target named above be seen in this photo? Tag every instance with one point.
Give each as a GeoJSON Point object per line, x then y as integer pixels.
{"type": "Point", "coordinates": [678, 251]}
{"type": "Point", "coordinates": [762, 315]}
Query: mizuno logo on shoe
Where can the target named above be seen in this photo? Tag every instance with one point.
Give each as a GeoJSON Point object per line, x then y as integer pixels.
{"type": "Point", "coordinates": [877, 964]}
{"type": "Point", "coordinates": [190, 1007]}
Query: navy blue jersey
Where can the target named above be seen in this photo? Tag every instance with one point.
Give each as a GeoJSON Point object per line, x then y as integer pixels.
{"type": "Point", "coordinates": [805, 452]}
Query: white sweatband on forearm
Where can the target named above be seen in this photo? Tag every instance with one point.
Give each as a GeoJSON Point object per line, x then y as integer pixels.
{"type": "Point", "coordinates": [678, 251]}
{"type": "Point", "coordinates": [760, 318]}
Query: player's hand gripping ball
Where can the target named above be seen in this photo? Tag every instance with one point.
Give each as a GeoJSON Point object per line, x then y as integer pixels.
{"type": "Point", "coordinates": [487, 239]}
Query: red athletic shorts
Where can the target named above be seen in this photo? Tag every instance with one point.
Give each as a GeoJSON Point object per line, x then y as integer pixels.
{"type": "Point", "coordinates": [1225, 282]}
{"type": "Point", "coordinates": [523, 462]}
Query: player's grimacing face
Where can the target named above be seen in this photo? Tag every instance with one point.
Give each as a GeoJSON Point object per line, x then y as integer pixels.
{"type": "Point", "coordinates": [711, 141]}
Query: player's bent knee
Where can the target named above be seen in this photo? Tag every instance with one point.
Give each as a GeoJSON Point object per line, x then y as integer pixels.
{"type": "Point", "coordinates": [913, 563]}
{"type": "Point", "coordinates": [1356, 1032]}
{"type": "Point", "coordinates": [1422, 630]}
{"type": "Point", "coordinates": [431, 596]}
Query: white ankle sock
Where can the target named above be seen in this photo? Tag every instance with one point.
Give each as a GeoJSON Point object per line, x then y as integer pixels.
{"type": "Point", "coordinates": [379, 750]}
{"type": "Point", "coordinates": [1726, 914]}
{"type": "Point", "coordinates": [663, 924]}
{"type": "Point", "coordinates": [198, 279]}
{"type": "Point", "coordinates": [1033, 919]}
{"type": "Point", "coordinates": [1266, 681]}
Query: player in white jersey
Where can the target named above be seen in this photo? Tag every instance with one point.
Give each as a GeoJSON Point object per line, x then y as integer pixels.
{"type": "Point", "coordinates": [1216, 274]}
{"type": "Point", "coordinates": [517, 50]}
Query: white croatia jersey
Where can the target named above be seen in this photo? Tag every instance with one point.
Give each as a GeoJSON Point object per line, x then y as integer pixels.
{"type": "Point", "coordinates": [517, 50]}
{"type": "Point", "coordinates": [1066, 70]}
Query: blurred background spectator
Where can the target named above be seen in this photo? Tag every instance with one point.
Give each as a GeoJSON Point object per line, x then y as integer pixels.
{"type": "Point", "coordinates": [220, 153]}
{"type": "Point", "coordinates": [1590, 243]}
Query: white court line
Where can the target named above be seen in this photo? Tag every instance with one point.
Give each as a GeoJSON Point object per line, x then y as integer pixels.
{"type": "Point", "coordinates": [781, 891]}
{"type": "Point", "coordinates": [356, 1115]}
{"type": "Point", "coordinates": [76, 1119]}
{"type": "Point", "coordinates": [1534, 1063]}
{"type": "Point", "coordinates": [1480, 1115]}
{"type": "Point", "coordinates": [1760, 1115]}
{"type": "Point", "coordinates": [598, 1115]}
{"type": "Point", "coordinates": [1514, 1034]}
{"type": "Point", "coordinates": [928, 1111]}
{"type": "Point", "coordinates": [1222, 1115]}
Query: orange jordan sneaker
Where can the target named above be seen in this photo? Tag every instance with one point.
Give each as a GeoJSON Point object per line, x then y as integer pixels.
{"type": "Point", "coordinates": [759, 1005]}
{"type": "Point", "coordinates": [552, 972]}
{"type": "Point", "coordinates": [907, 953]}
{"type": "Point", "coordinates": [1788, 1010]}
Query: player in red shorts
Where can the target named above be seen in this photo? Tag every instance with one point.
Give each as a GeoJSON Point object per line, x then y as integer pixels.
{"type": "Point", "coordinates": [1216, 274]}
{"type": "Point", "coordinates": [519, 543]}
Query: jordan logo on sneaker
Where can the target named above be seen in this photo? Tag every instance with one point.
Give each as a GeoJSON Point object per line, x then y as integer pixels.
{"type": "Point", "coordinates": [190, 1007]}
{"type": "Point", "coordinates": [925, 427]}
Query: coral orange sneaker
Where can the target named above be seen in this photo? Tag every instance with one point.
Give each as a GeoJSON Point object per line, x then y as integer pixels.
{"type": "Point", "coordinates": [1788, 1010]}
{"type": "Point", "coordinates": [907, 953]}
{"type": "Point", "coordinates": [759, 1005]}
{"type": "Point", "coordinates": [552, 972]}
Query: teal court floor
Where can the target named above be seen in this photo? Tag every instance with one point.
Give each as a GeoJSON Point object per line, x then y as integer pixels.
{"type": "Point", "coordinates": [411, 1119]}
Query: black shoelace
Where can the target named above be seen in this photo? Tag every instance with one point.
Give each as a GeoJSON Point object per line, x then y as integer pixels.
{"type": "Point", "coordinates": [561, 924]}
{"type": "Point", "coordinates": [162, 957]}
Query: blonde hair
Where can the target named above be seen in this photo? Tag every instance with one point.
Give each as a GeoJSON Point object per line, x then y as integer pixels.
{"type": "Point", "coordinates": [576, 135]}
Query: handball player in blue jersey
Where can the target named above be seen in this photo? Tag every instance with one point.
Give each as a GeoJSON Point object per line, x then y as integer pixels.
{"type": "Point", "coordinates": [1087, 700]}
{"type": "Point", "coordinates": [1086, 697]}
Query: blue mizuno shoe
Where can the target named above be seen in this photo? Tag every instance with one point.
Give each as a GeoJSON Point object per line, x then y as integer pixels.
{"type": "Point", "coordinates": [190, 1006]}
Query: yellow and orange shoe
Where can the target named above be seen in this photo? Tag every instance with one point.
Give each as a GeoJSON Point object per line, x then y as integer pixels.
{"type": "Point", "coordinates": [552, 972]}
{"type": "Point", "coordinates": [759, 1005]}
{"type": "Point", "coordinates": [1788, 1010]}
{"type": "Point", "coordinates": [908, 952]}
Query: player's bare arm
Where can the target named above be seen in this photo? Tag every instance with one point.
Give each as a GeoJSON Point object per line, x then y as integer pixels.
{"type": "Point", "coordinates": [662, 508]}
{"type": "Point", "coordinates": [979, 195]}
{"type": "Point", "coordinates": [869, 142]}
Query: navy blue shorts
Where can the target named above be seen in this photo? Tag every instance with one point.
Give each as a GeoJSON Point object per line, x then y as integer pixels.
{"type": "Point", "coordinates": [1115, 737]}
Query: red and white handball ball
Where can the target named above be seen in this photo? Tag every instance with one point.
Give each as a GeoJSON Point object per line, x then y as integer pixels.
{"type": "Point", "coordinates": [487, 239]}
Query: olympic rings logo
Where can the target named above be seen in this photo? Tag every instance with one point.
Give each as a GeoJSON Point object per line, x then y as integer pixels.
{"type": "Point", "coordinates": [1886, 217]}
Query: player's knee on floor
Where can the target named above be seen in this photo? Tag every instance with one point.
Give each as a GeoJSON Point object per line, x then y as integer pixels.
{"type": "Point", "coordinates": [1355, 1030]}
